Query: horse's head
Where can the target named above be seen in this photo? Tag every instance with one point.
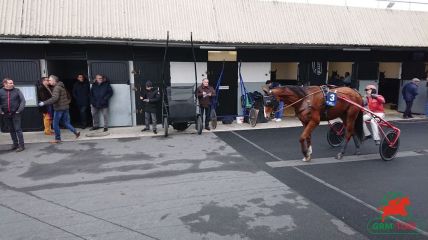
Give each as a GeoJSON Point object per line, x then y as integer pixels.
{"type": "Point", "coordinates": [270, 102]}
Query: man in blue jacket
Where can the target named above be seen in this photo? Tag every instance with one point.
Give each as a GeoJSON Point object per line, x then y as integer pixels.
{"type": "Point", "coordinates": [101, 92]}
{"type": "Point", "coordinates": [409, 92]}
{"type": "Point", "coordinates": [12, 103]}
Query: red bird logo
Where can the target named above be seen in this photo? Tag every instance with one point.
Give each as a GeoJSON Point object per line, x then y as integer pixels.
{"type": "Point", "coordinates": [395, 207]}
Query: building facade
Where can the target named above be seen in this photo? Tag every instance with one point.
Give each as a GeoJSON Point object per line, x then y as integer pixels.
{"type": "Point", "coordinates": [287, 42]}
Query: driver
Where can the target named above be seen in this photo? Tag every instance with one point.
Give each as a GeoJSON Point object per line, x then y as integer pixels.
{"type": "Point", "coordinates": [374, 103]}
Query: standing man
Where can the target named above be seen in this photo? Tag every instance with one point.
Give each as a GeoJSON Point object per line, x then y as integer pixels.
{"type": "Point", "coordinates": [81, 95]}
{"type": "Point", "coordinates": [150, 98]}
{"type": "Point", "coordinates": [375, 104]}
{"type": "Point", "coordinates": [347, 80]}
{"type": "Point", "coordinates": [12, 104]}
{"type": "Point", "coordinates": [205, 92]}
{"type": "Point", "coordinates": [61, 104]}
{"type": "Point", "coordinates": [101, 92]}
{"type": "Point", "coordinates": [44, 92]}
{"type": "Point", "coordinates": [409, 92]}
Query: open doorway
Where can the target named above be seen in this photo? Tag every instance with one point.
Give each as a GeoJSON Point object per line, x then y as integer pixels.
{"type": "Point", "coordinates": [339, 73]}
{"type": "Point", "coordinates": [67, 71]}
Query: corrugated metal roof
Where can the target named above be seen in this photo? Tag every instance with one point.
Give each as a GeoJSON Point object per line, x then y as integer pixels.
{"type": "Point", "coordinates": [213, 21]}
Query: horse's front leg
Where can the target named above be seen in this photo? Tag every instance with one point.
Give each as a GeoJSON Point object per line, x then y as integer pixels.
{"type": "Point", "coordinates": [306, 136]}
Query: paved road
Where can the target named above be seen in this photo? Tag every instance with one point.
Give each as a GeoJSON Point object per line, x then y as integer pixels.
{"type": "Point", "coordinates": [213, 186]}
{"type": "Point", "coordinates": [349, 189]}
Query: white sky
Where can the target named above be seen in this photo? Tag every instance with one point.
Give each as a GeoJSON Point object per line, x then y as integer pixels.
{"type": "Point", "coordinates": [413, 5]}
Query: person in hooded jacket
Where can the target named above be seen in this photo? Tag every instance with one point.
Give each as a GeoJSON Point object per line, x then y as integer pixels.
{"type": "Point", "coordinates": [12, 103]}
{"type": "Point", "coordinates": [81, 93]}
{"type": "Point", "coordinates": [44, 92]}
{"type": "Point", "coordinates": [61, 104]}
{"type": "Point", "coordinates": [101, 92]}
{"type": "Point", "coordinates": [150, 97]}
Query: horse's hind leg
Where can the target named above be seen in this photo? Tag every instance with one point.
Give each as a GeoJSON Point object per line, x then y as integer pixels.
{"type": "Point", "coordinates": [349, 123]}
{"type": "Point", "coordinates": [343, 150]}
{"type": "Point", "coordinates": [357, 145]}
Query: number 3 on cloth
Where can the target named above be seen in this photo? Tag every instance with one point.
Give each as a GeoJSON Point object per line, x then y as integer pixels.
{"type": "Point", "coordinates": [330, 99]}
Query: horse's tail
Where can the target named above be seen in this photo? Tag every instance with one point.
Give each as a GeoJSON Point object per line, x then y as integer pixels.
{"type": "Point", "coordinates": [358, 126]}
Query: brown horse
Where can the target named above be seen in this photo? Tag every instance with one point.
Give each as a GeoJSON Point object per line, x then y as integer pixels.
{"type": "Point", "coordinates": [310, 107]}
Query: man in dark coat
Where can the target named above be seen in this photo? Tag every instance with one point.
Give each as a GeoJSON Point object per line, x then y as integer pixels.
{"type": "Point", "coordinates": [204, 93]}
{"type": "Point", "coordinates": [44, 92]}
{"type": "Point", "coordinates": [409, 92]}
{"type": "Point", "coordinates": [101, 92]}
{"type": "Point", "coordinates": [81, 92]}
{"type": "Point", "coordinates": [150, 97]}
{"type": "Point", "coordinates": [12, 103]}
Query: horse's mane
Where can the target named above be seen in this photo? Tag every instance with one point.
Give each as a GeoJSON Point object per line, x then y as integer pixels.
{"type": "Point", "coordinates": [299, 91]}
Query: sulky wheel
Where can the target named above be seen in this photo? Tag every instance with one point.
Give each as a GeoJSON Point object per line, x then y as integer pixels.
{"type": "Point", "coordinates": [199, 124]}
{"type": "Point", "coordinates": [165, 126]}
{"type": "Point", "coordinates": [213, 117]}
{"type": "Point", "coordinates": [252, 118]}
{"type": "Point", "coordinates": [336, 134]}
{"type": "Point", "coordinates": [388, 152]}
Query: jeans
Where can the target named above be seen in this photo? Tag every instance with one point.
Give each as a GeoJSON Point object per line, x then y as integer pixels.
{"type": "Point", "coordinates": [83, 115]}
{"type": "Point", "coordinates": [207, 111]}
{"type": "Point", "coordinates": [280, 112]}
{"type": "Point", "coordinates": [13, 122]}
{"type": "Point", "coordinates": [96, 116]}
{"type": "Point", "coordinates": [64, 117]}
{"type": "Point", "coordinates": [408, 111]}
{"type": "Point", "coordinates": [147, 116]}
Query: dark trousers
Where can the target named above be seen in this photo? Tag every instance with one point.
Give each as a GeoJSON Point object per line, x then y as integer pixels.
{"type": "Point", "coordinates": [83, 115]}
{"type": "Point", "coordinates": [13, 122]}
{"type": "Point", "coordinates": [408, 111]}
{"type": "Point", "coordinates": [147, 116]}
{"type": "Point", "coordinates": [207, 111]}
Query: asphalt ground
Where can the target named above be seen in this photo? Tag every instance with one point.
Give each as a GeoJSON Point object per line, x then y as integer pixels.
{"type": "Point", "coordinates": [225, 185]}
{"type": "Point", "coordinates": [349, 190]}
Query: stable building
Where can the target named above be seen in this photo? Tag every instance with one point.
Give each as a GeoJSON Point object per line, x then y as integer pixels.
{"type": "Point", "coordinates": [292, 43]}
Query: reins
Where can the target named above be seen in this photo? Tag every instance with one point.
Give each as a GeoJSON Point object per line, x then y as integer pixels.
{"type": "Point", "coordinates": [289, 105]}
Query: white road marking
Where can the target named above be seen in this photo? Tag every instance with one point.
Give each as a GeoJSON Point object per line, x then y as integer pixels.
{"type": "Point", "coordinates": [351, 158]}
{"type": "Point", "coordinates": [422, 232]}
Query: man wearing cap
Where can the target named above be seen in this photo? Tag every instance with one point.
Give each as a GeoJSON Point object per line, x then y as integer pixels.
{"type": "Point", "coordinates": [409, 92]}
{"type": "Point", "coordinates": [374, 103]}
{"type": "Point", "coordinates": [150, 97]}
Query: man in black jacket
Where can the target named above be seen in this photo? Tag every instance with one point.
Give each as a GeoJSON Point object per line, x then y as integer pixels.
{"type": "Point", "coordinates": [150, 98]}
{"type": "Point", "coordinates": [12, 103]}
{"type": "Point", "coordinates": [101, 92]}
{"type": "Point", "coordinates": [81, 96]}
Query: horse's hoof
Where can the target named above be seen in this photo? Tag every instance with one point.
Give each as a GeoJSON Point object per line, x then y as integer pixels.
{"type": "Point", "coordinates": [339, 156]}
{"type": "Point", "coordinates": [307, 159]}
